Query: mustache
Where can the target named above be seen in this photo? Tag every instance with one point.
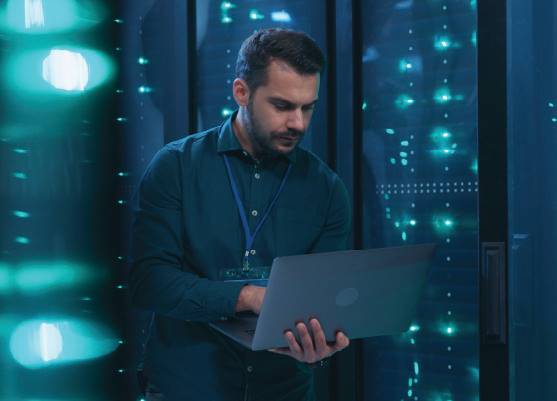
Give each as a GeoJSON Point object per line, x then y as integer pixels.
{"type": "Point", "coordinates": [291, 132]}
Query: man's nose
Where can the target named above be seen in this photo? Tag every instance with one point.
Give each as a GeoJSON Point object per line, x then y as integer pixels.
{"type": "Point", "coordinates": [295, 120]}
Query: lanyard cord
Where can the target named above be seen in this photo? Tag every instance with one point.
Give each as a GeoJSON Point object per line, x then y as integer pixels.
{"type": "Point", "coordinates": [249, 237]}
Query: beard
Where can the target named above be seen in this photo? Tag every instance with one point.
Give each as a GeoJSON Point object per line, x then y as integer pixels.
{"type": "Point", "coordinates": [262, 140]}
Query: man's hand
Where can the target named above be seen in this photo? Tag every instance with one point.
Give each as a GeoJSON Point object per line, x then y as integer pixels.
{"type": "Point", "coordinates": [312, 348]}
{"type": "Point", "coordinates": [250, 299]}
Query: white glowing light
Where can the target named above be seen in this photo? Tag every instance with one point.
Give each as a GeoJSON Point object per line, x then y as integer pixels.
{"type": "Point", "coordinates": [281, 16]}
{"type": "Point", "coordinates": [50, 342]}
{"type": "Point", "coordinates": [34, 14]}
{"type": "Point", "coordinates": [66, 70]}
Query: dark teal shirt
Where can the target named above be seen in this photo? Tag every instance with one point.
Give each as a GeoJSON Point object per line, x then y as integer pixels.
{"type": "Point", "coordinates": [187, 235]}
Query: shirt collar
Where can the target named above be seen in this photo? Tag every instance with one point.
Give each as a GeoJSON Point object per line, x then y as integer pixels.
{"type": "Point", "coordinates": [227, 141]}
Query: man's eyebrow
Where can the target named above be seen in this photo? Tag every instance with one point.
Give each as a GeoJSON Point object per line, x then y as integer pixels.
{"type": "Point", "coordinates": [288, 103]}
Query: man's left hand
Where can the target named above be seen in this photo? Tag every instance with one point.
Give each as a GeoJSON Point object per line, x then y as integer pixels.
{"type": "Point", "coordinates": [314, 348]}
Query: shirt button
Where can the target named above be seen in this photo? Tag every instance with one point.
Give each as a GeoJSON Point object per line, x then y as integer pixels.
{"type": "Point", "coordinates": [254, 213]}
{"type": "Point", "coordinates": [257, 176]}
{"type": "Point", "coordinates": [253, 252]}
{"type": "Point", "coordinates": [249, 368]}
{"type": "Point", "coordinates": [244, 153]}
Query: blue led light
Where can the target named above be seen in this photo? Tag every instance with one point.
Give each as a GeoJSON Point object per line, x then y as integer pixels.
{"type": "Point", "coordinates": [255, 15]}
{"type": "Point", "coordinates": [404, 101]}
{"type": "Point", "coordinates": [21, 214]}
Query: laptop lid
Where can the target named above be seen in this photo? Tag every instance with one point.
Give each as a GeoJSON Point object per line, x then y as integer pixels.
{"type": "Point", "coordinates": [364, 293]}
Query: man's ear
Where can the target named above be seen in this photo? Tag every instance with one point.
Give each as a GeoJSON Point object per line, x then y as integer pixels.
{"type": "Point", "coordinates": [240, 91]}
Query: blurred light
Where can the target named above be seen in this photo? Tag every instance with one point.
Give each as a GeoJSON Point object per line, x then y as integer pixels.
{"type": "Point", "coordinates": [364, 105]}
{"type": "Point", "coordinates": [22, 240]}
{"type": "Point", "coordinates": [142, 61]}
{"type": "Point", "coordinates": [416, 368]}
{"type": "Point", "coordinates": [225, 112]}
{"type": "Point", "coordinates": [21, 151]}
{"type": "Point", "coordinates": [144, 89]}
{"type": "Point", "coordinates": [6, 284]}
{"type": "Point", "coordinates": [443, 224]}
{"type": "Point", "coordinates": [119, 20]}
{"type": "Point", "coordinates": [404, 143]}
{"type": "Point", "coordinates": [35, 278]}
{"type": "Point", "coordinates": [474, 39]}
{"type": "Point", "coordinates": [226, 19]}
{"type": "Point", "coordinates": [404, 4]}
{"type": "Point", "coordinates": [414, 328]}
{"type": "Point", "coordinates": [66, 70]}
{"type": "Point", "coordinates": [404, 101]}
{"type": "Point", "coordinates": [50, 342]}
{"type": "Point", "coordinates": [44, 342]}
{"type": "Point", "coordinates": [442, 95]}
{"type": "Point", "coordinates": [255, 15]}
{"type": "Point", "coordinates": [412, 222]}
{"type": "Point", "coordinates": [390, 131]}
{"type": "Point", "coordinates": [34, 16]}
{"type": "Point", "coordinates": [474, 166]}
{"type": "Point", "coordinates": [21, 214]}
{"type": "Point", "coordinates": [281, 16]}
{"type": "Point", "coordinates": [442, 43]}
{"type": "Point", "coordinates": [226, 5]}
{"type": "Point", "coordinates": [50, 16]}
{"type": "Point", "coordinates": [19, 175]}
{"type": "Point", "coordinates": [62, 70]}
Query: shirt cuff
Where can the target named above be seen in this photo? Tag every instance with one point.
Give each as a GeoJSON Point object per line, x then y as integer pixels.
{"type": "Point", "coordinates": [223, 298]}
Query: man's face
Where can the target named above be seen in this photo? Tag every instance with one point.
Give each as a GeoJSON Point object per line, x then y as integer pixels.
{"type": "Point", "coordinates": [279, 112]}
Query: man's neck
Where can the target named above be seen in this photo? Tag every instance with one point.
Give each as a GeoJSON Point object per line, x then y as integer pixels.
{"type": "Point", "coordinates": [241, 133]}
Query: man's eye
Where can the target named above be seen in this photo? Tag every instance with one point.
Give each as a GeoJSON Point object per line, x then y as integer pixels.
{"type": "Point", "coordinates": [281, 107]}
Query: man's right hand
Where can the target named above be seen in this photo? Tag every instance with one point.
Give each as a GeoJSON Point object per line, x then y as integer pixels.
{"type": "Point", "coordinates": [250, 299]}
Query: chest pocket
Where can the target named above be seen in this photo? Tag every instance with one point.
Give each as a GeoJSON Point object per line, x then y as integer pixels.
{"type": "Point", "coordinates": [296, 230]}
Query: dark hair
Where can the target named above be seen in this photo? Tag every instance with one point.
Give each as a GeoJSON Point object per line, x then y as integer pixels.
{"type": "Point", "coordinates": [297, 49]}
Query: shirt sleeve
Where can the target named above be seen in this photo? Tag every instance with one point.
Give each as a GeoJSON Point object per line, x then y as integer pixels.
{"type": "Point", "coordinates": [336, 231]}
{"type": "Point", "coordinates": [160, 279]}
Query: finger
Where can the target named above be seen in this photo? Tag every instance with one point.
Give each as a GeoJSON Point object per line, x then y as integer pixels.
{"type": "Point", "coordinates": [293, 345]}
{"type": "Point", "coordinates": [307, 343]}
{"type": "Point", "coordinates": [321, 347]}
{"type": "Point", "coordinates": [342, 341]}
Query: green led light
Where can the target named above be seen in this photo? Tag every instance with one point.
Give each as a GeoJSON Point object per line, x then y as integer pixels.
{"type": "Point", "coordinates": [22, 240]}
{"type": "Point", "coordinates": [121, 202]}
{"type": "Point", "coordinates": [442, 95]}
{"type": "Point", "coordinates": [554, 119]}
{"type": "Point", "coordinates": [443, 224]}
{"type": "Point", "coordinates": [392, 160]}
{"type": "Point", "coordinates": [226, 112]}
{"type": "Point", "coordinates": [404, 101]}
{"type": "Point", "coordinates": [121, 119]}
{"type": "Point", "coordinates": [119, 21]}
{"type": "Point", "coordinates": [142, 61]}
{"type": "Point", "coordinates": [21, 151]}
{"type": "Point", "coordinates": [144, 89]}
{"type": "Point", "coordinates": [404, 162]}
{"type": "Point", "coordinates": [442, 43]}
{"type": "Point", "coordinates": [19, 175]}
{"type": "Point", "coordinates": [550, 104]}
{"type": "Point", "coordinates": [412, 341]}
{"type": "Point", "coordinates": [412, 222]}
{"type": "Point", "coordinates": [404, 237]}
{"type": "Point", "coordinates": [474, 39]}
{"type": "Point", "coordinates": [364, 105]}
{"type": "Point", "coordinates": [123, 174]}
{"type": "Point", "coordinates": [397, 224]}
{"type": "Point", "coordinates": [390, 131]}
{"type": "Point", "coordinates": [449, 330]}
{"type": "Point", "coordinates": [414, 328]}
{"type": "Point", "coordinates": [21, 214]}
{"type": "Point", "coordinates": [474, 166]}
{"type": "Point", "coordinates": [44, 342]}
{"type": "Point", "coordinates": [404, 143]}
{"type": "Point", "coordinates": [473, 4]}
{"type": "Point", "coordinates": [416, 368]}
{"type": "Point", "coordinates": [35, 278]}
{"type": "Point", "coordinates": [404, 66]}
{"type": "Point", "coordinates": [255, 15]}
{"type": "Point", "coordinates": [403, 154]}
{"type": "Point", "coordinates": [227, 5]}
{"type": "Point", "coordinates": [409, 393]}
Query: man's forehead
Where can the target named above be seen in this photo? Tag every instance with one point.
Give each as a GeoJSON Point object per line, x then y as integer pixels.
{"type": "Point", "coordinates": [286, 83]}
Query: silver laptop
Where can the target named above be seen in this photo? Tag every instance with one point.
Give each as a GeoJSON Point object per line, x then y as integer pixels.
{"type": "Point", "coordinates": [363, 293]}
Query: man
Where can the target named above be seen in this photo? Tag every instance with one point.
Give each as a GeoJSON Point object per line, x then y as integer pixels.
{"type": "Point", "coordinates": [222, 203]}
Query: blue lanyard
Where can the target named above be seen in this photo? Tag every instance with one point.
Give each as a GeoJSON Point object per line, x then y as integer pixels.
{"type": "Point", "coordinates": [249, 237]}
